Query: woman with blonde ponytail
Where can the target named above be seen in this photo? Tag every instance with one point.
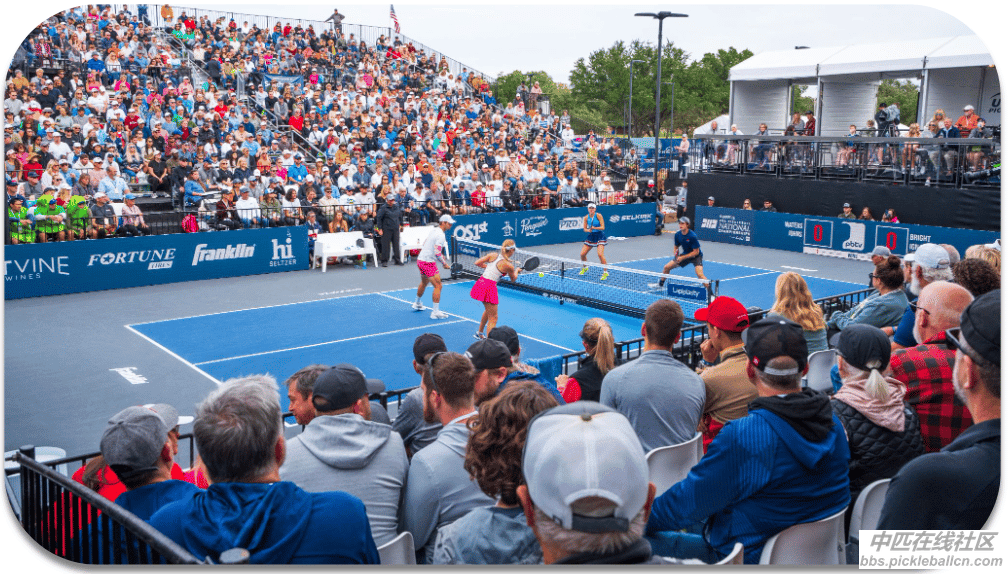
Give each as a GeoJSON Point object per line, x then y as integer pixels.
{"type": "Point", "coordinates": [586, 382]}
{"type": "Point", "coordinates": [882, 431]}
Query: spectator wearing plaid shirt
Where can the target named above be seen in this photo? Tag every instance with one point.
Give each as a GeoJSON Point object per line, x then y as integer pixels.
{"type": "Point", "coordinates": [927, 368]}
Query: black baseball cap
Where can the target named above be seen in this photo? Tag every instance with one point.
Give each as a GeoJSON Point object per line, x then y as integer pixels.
{"type": "Point", "coordinates": [506, 335]}
{"type": "Point", "coordinates": [980, 325]}
{"type": "Point", "coordinates": [488, 354]}
{"type": "Point", "coordinates": [775, 336]}
{"type": "Point", "coordinates": [863, 346]}
{"type": "Point", "coordinates": [425, 345]}
{"type": "Point", "coordinates": [338, 388]}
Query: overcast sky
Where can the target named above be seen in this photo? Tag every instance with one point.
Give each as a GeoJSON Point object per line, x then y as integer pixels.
{"type": "Point", "coordinates": [494, 38]}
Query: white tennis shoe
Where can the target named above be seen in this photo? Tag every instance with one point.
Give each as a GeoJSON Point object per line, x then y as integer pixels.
{"type": "Point", "coordinates": [439, 315]}
{"type": "Point", "coordinates": [418, 306]}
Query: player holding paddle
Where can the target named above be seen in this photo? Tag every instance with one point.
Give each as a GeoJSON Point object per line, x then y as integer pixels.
{"type": "Point", "coordinates": [594, 226]}
{"type": "Point", "coordinates": [495, 266]}
{"type": "Point", "coordinates": [691, 254]}
{"type": "Point", "coordinates": [433, 251]}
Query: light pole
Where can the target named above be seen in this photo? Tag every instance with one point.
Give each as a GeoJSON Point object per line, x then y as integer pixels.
{"type": "Point", "coordinates": [630, 106]}
{"type": "Point", "coordinates": [660, 16]}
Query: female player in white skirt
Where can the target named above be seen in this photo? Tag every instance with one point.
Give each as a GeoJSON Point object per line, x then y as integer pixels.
{"type": "Point", "coordinates": [495, 266]}
{"type": "Point", "coordinates": [594, 226]}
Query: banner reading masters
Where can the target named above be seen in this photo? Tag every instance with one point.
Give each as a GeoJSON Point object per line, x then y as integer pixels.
{"type": "Point", "coordinates": [831, 236]}
{"type": "Point", "coordinates": [35, 270]}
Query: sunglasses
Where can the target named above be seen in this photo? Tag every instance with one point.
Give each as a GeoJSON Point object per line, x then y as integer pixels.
{"type": "Point", "coordinates": [914, 307]}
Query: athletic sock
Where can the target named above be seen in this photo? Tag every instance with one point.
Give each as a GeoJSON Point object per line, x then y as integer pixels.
{"type": "Point", "coordinates": [436, 305]}
{"type": "Point", "coordinates": [417, 302]}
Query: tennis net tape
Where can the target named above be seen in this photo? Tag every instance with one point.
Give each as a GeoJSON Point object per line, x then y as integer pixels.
{"type": "Point", "coordinates": [619, 289]}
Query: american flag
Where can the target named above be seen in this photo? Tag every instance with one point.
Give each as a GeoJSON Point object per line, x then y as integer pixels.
{"type": "Point", "coordinates": [392, 15]}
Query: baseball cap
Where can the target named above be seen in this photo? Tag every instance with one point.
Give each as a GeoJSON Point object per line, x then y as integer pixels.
{"type": "Point", "coordinates": [650, 182]}
{"type": "Point", "coordinates": [930, 256]}
{"type": "Point", "coordinates": [725, 313]}
{"type": "Point", "coordinates": [967, 107]}
{"type": "Point", "coordinates": [585, 450]}
{"type": "Point", "coordinates": [133, 440]}
{"type": "Point", "coordinates": [846, 205]}
{"type": "Point", "coordinates": [863, 346]}
{"type": "Point", "coordinates": [980, 324]}
{"type": "Point", "coordinates": [100, 194]}
{"type": "Point", "coordinates": [710, 198]}
{"type": "Point", "coordinates": [684, 219]}
{"type": "Point", "coordinates": [446, 219]}
{"type": "Point", "coordinates": [488, 354]}
{"type": "Point", "coordinates": [505, 335]}
{"type": "Point", "coordinates": [881, 250]}
{"type": "Point", "coordinates": [426, 344]}
{"type": "Point", "coordinates": [339, 387]}
{"type": "Point", "coordinates": [775, 336]}
{"type": "Point", "coordinates": [129, 196]}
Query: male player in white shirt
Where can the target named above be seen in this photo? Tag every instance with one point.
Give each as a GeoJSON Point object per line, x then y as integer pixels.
{"type": "Point", "coordinates": [435, 249]}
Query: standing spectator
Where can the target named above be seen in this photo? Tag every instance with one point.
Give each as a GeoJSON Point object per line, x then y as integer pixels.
{"type": "Point", "coordinates": [957, 488]}
{"type": "Point", "coordinates": [337, 21]}
{"type": "Point", "coordinates": [388, 224]}
{"type": "Point", "coordinates": [726, 384]}
{"type": "Point", "coordinates": [438, 490]}
{"type": "Point", "coordinates": [239, 434]}
{"type": "Point", "coordinates": [496, 534]}
{"type": "Point", "coordinates": [926, 369]}
{"type": "Point", "coordinates": [342, 449]}
{"type": "Point", "coordinates": [783, 464]}
{"type": "Point", "coordinates": [662, 398]}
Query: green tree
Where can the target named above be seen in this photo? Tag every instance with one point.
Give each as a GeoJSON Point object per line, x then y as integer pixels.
{"type": "Point", "coordinates": [904, 93]}
{"type": "Point", "coordinates": [799, 103]}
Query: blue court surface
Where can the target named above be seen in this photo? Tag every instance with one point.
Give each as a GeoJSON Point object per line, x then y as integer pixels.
{"type": "Point", "coordinates": [376, 331]}
{"type": "Point", "coordinates": [372, 331]}
{"type": "Point", "coordinates": [751, 286]}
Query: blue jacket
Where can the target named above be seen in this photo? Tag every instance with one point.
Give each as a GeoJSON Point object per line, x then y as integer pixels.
{"type": "Point", "coordinates": [762, 475]}
{"type": "Point", "coordinates": [878, 310]}
{"type": "Point", "coordinates": [278, 523]}
{"type": "Point", "coordinates": [532, 374]}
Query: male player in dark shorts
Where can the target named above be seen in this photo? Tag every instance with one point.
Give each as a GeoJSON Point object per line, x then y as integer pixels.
{"type": "Point", "coordinates": [691, 253]}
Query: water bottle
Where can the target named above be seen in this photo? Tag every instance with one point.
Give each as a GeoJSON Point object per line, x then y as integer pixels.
{"type": "Point", "coordinates": [927, 182]}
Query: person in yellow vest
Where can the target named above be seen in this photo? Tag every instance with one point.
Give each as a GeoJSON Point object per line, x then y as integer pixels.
{"type": "Point", "coordinates": [19, 225]}
{"type": "Point", "coordinates": [49, 219]}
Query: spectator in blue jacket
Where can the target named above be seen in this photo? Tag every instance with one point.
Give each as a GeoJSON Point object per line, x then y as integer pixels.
{"type": "Point", "coordinates": [519, 370]}
{"type": "Point", "coordinates": [783, 464]}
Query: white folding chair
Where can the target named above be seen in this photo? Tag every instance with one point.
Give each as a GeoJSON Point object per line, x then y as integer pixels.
{"type": "Point", "coordinates": [868, 508]}
{"type": "Point", "coordinates": [668, 465]}
{"type": "Point", "coordinates": [736, 556]}
{"type": "Point", "coordinates": [819, 365]}
{"type": "Point", "coordinates": [817, 543]}
{"type": "Point", "coordinates": [398, 551]}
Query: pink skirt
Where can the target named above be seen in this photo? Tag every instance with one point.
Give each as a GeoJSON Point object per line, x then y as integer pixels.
{"type": "Point", "coordinates": [484, 291]}
{"type": "Point", "coordinates": [428, 268]}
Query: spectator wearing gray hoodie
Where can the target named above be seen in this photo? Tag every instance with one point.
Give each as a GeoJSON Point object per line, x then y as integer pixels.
{"type": "Point", "coordinates": [341, 449]}
{"type": "Point", "coordinates": [439, 490]}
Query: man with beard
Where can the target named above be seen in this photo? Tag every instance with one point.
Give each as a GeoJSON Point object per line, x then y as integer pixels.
{"type": "Point", "coordinates": [929, 263]}
{"type": "Point", "coordinates": [438, 489]}
{"type": "Point", "coordinates": [926, 369]}
{"type": "Point", "coordinates": [956, 488]}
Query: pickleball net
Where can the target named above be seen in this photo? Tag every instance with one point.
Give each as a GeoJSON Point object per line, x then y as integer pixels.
{"type": "Point", "coordinates": [617, 289]}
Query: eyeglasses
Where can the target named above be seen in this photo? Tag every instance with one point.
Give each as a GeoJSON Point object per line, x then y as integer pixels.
{"type": "Point", "coordinates": [430, 369]}
{"type": "Point", "coordinates": [914, 307]}
{"type": "Point", "coordinates": [952, 342]}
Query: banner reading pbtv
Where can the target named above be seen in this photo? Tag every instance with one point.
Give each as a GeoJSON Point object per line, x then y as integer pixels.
{"type": "Point", "coordinates": [552, 226]}
{"type": "Point", "coordinates": [35, 270]}
{"type": "Point", "coordinates": [831, 236]}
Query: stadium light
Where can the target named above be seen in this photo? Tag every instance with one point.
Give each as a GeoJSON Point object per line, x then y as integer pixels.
{"type": "Point", "coordinates": [660, 16]}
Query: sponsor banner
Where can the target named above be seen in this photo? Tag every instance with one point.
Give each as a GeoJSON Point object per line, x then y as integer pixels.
{"type": "Point", "coordinates": [696, 293]}
{"type": "Point", "coordinates": [34, 270]}
{"type": "Point", "coordinates": [546, 227]}
{"type": "Point", "coordinates": [829, 236]}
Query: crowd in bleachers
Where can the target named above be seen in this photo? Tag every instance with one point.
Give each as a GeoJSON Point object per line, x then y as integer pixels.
{"type": "Point", "coordinates": [104, 94]}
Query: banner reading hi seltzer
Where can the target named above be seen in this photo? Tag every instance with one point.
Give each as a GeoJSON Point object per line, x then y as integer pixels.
{"type": "Point", "coordinates": [35, 270]}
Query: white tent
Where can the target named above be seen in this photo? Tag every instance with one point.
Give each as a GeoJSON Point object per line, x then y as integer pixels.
{"type": "Point", "coordinates": [722, 124]}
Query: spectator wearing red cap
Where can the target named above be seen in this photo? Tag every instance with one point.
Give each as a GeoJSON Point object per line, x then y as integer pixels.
{"type": "Point", "coordinates": [729, 391]}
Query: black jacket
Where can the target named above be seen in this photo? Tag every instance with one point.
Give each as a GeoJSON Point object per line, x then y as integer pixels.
{"type": "Point", "coordinates": [389, 216]}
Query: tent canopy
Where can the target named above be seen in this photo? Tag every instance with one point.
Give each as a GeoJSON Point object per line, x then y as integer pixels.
{"type": "Point", "coordinates": [886, 58]}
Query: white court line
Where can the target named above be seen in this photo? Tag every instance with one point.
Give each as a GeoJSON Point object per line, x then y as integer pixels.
{"type": "Point", "coordinates": [255, 308]}
{"type": "Point", "coordinates": [749, 276]}
{"type": "Point", "coordinates": [321, 344]}
{"type": "Point", "coordinates": [477, 322]}
{"type": "Point", "coordinates": [173, 354]}
{"type": "Point", "coordinates": [799, 269]}
{"type": "Point", "coordinates": [705, 261]}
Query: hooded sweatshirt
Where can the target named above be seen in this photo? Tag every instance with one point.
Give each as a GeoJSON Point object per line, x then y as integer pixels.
{"type": "Point", "coordinates": [278, 523]}
{"type": "Point", "coordinates": [783, 464]}
{"type": "Point", "coordinates": [439, 490]}
{"type": "Point", "coordinates": [364, 458]}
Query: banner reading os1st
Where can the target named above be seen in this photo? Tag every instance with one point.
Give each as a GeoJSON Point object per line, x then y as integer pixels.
{"type": "Point", "coordinates": [550, 226]}
{"type": "Point", "coordinates": [34, 270]}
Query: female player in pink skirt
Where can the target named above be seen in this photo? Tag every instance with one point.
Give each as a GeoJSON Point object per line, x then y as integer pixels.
{"type": "Point", "coordinates": [495, 266]}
